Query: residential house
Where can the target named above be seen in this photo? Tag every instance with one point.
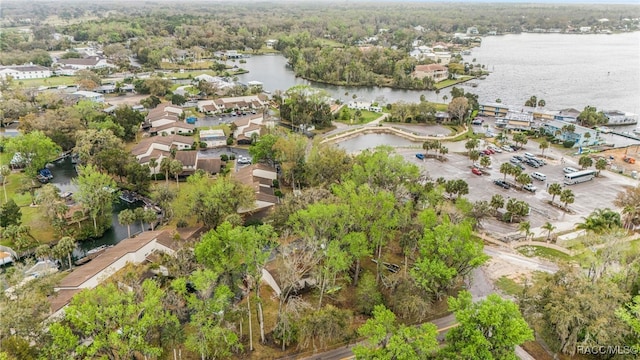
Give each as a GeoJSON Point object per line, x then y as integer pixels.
{"type": "Point", "coordinates": [189, 160]}
{"type": "Point", "coordinates": [131, 250]}
{"type": "Point", "coordinates": [251, 131]}
{"type": "Point", "coordinates": [211, 166]}
{"type": "Point", "coordinates": [363, 105]}
{"type": "Point", "coordinates": [252, 103]}
{"type": "Point", "coordinates": [492, 109]}
{"type": "Point", "coordinates": [581, 136]}
{"type": "Point", "coordinates": [90, 95]}
{"type": "Point", "coordinates": [106, 89]}
{"type": "Point", "coordinates": [259, 177]}
{"type": "Point", "coordinates": [436, 72]}
{"type": "Point", "coordinates": [158, 147]}
{"type": "Point", "coordinates": [163, 114]}
{"type": "Point", "coordinates": [23, 72]}
{"type": "Point", "coordinates": [270, 43]}
{"type": "Point", "coordinates": [244, 123]}
{"type": "Point", "coordinates": [213, 138]}
{"type": "Point", "coordinates": [176, 127]}
{"type": "Point", "coordinates": [93, 62]}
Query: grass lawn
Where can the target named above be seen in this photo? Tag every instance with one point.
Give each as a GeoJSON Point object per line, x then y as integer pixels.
{"type": "Point", "coordinates": [365, 117]}
{"type": "Point", "coordinates": [190, 66]}
{"type": "Point", "coordinates": [449, 82]}
{"type": "Point", "coordinates": [52, 81]}
{"type": "Point", "coordinates": [33, 217]}
{"type": "Point", "coordinates": [543, 252]}
{"type": "Point", "coordinates": [509, 286]}
{"type": "Point", "coordinates": [223, 127]}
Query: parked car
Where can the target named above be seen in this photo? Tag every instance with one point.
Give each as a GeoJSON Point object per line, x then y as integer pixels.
{"type": "Point", "coordinates": [532, 163]}
{"type": "Point", "coordinates": [519, 157]}
{"type": "Point", "coordinates": [476, 171]}
{"type": "Point", "coordinates": [539, 176]}
{"type": "Point", "coordinates": [503, 184]}
{"type": "Point", "coordinates": [507, 148]}
{"type": "Point", "coordinates": [244, 160]}
{"type": "Point", "coordinates": [495, 148]}
{"type": "Point", "coordinates": [513, 160]}
{"type": "Point", "coordinates": [487, 152]}
{"type": "Point", "coordinates": [569, 170]}
{"type": "Point", "coordinates": [522, 167]}
{"type": "Point", "coordinates": [530, 187]}
{"type": "Point", "coordinates": [491, 151]}
{"type": "Point", "coordinates": [420, 156]}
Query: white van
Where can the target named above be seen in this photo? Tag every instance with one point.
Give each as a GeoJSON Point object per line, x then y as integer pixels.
{"type": "Point", "coordinates": [529, 155]}
{"type": "Point", "coordinates": [539, 176]}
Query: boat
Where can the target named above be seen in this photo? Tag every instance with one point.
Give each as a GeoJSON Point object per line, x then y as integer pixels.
{"type": "Point", "coordinates": [92, 254]}
{"type": "Point", "coordinates": [128, 196]}
{"type": "Point", "coordinates": [66, 195]}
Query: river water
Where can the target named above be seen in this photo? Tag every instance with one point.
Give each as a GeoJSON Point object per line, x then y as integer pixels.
{"type": "Point", "coordinates": [566, 70]}
{"type": "Point", "coordinates": [63, 174]}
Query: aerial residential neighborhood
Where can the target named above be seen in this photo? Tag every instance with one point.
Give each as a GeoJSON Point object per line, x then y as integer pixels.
{"type": "Point", "coordinates": [368, 180]}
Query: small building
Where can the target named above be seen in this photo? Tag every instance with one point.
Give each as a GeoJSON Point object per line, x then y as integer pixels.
{"type": "Point", "coordinates": [270, 43]}
{"type": "Point", "coordinates": [581, 136]}
{"type": "Point", "coordinates": [569, 115]}
{"type": "Point", "coordinates": [260, 177]}
{"type": "Point", "coordinates": [492, 109]}
{"type": "Point", "coordinates": [92, 62]}
{"type": "Point", "coordinates": [24, 72]}
{"type": "Point", "coordinates": [90, 95]}
{"type": "Point", "coordinates": [213, 138]}
{"type": "Point", "coordinates": [436, 72]}
{"type": "Point", "coordinates": [520, 121]}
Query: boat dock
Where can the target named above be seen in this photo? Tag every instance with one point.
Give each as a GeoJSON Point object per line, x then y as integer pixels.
{"type": "Point", "coordinates": [628, 135]}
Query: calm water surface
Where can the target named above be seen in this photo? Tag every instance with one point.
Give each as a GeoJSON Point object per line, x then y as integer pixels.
{"type": "Point", "coordinates": [564, 70]}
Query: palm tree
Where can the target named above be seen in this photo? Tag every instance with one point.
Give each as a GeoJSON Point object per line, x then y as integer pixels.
{"type": "Point", "coordinates": [506, 169]}
{"type": "Point", "coordinates": [549, 227]}
{"type": "Point", "coordinates": [127, 217]}
{"type": "Point", "coordinates": [601, 164]}
{"type": "Point", "coordinates": [567, 197]}
{"type": "Point", "coordinates": [585, 161]}
{"type": "Point", "coordinates": [485, 162]}
{"type": "Point", "coordinates": [553, 190]}
{"type": "Point", "coordinates": [153, 163]}
{"type": "Point", "coordinates": [150, 217]}
{"type": "Point", "coordinates": [497, 202]}
{"type": "Point", "coordinates": [601, 220]}
{"type": "Point", "coordinates": [544, 145]}
{"type": "Point", "coordinates": [175, 167]}
{"type": "Point", "coordinates": [65, 247]}
{"type": "Point", "coordinates": [525, 227]}
{"type": "Point", "coordinates": [4, 172]}
{"type": "Point", "coordinates": [139, 213]}
{"type": "Point", "coordinates": [43, 252]}
{"type": "Point", "coordinates": [630, 214]}
{"type": "Point", "coordinates": [523, 179]}
{"type": "Point", "coordinates": [474, 155]}
{"type": "Point", "coordinates": [165, 166]}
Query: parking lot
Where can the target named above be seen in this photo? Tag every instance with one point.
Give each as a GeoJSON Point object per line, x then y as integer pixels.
{"type": "Point", "coordinates": [598, 193]}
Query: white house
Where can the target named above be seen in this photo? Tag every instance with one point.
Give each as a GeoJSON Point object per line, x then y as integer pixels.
{"type": "Point", "coordinates": [90, 95]}
{"type": "Point", "coordinates": [363, 105]}
{"type": "Point", "coordinates": [23, 72]}
{"type": "Point", "coordinates": [158, 147]}
{"type": "Point", "coordinates": [244, 123]}
{"type": "Point", "coordinates": [436, 72]}
{"type": "Point", "coordinates": [213, 138]}
{"type": "Point", "coordinates": [93, 62]}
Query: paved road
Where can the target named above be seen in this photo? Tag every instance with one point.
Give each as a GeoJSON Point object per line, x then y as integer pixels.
{"type": "Point", "coordinates": [521, 261]}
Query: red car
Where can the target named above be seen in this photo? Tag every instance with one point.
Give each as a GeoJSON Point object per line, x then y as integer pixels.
{"type": "Point", "coordinates": [476, 171]}
{"type": "Point", "coordinates": [489, 152]}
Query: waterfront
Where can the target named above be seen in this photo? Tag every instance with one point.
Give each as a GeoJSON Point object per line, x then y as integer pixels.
{"type": "Point", "coordinates": [564, 70]}
{"type": "Point", "coordinates": [63, 174]}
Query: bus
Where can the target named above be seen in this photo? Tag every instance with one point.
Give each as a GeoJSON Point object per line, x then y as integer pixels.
{"type": "Point", "coordinates": [579, 176]}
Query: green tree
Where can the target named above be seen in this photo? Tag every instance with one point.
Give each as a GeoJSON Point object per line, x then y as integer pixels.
{"type": "Point", "coordinates": [10, 214]}
{"type": "Point", "coordinates": [175, 168]}
{"type": "Point", "coordinates": [5, 171]}
{"type": "Point", "coordinates": [448, 253]}
{"type": "Point", "coordinates": [567, 197]}
{"type": "Point", "coordinates": [506, 169]}
{"type": "Point", "coordinates": [488, 329]}
{"type": "Point", "coordinates": [96, 192]}
{"type": "Point", "coordinates": [516, 209]}
{"type": "Point", "coordinates": [290, 152]}
{"type": "Point", "coordinates": [544, 145]}
{"type": "Point", "coordinates": [35, 148]}
{"type": "Point", "coordinates": [497, 202]}
{"type": "Point", "coordinates": [127, 217]}
{"type": "Point", "coordinates": [601, 221]}
{"type": "Point", "coordinates": [601, 164]}
{"type": "Point", "coordinates": [523, 179]}
{"type": "Point", "coordinates": [525, 227]}
{"type": "Point", "coordinates": [520, 139]}
{"type": "Point", "coordinates": [386, 339]}
{"type": "Point", "coordinates": [153, 164]}
{"type": "Point", "coordinates": [129, 321]}
{"type": "Point", "coordinates": [150, 217]}
{"type": "Point", "coordinates": [549, 227]}
{"type": "Point", "coordinates": [263, 149]}
{"type": "Point", "coordinates": [585, 161]}
{"type": "Point", "coordinates": [323, 326]}
{"type": "Point", "coordinates": [630, 315]}
{"type": "Point", "coordinates": [165, 166]}
{"type": "Point", "coordinates": [211, 201]}
{"type": "Point", "coordinates": [367, 294]}
{"type": "Point", "coordinates": [64, 248]}
{"type": "Point", "coordinates": [590, 116]}
{"type": "Point", "coordinates": [326, 164]}
{"type": "Point", "coordinates": [553, 190]}
{"type": "Point", "coordinates": [532, 102]}
{"type": "Point", "coordinates": [130, 121]}
{"type": "Point", "coordinates": [485, 162]}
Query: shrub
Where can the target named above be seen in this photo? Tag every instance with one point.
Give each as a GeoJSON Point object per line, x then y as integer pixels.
{"type": "Point", "coordinates": [182, 223]}
{"type": "Point", "coordinates": [367, 294]}
{"type": "Point", "coordinates": [232, 157]}
{"type": "Point", "coordinates": [568, 144]}
{"type": "Point", "coordinates": [224, 157]}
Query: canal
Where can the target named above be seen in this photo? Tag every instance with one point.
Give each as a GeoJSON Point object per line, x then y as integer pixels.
{"type": "Point", "coordinates": [63, 174]}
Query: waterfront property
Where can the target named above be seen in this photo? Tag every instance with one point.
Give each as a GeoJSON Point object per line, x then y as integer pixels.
{"type": "Point", "coordinates": [619, 118]}
{"type": "Point", "coordinates": [436, 72]}
{"type": "Point", "coordinates": [569, 115]}
{"type": "Point", "coordinates": [131, 250]}
{"type": "Point", "coordinates": [492, 109]}
{"type": "Point", "coordinates": [238, 104]}
{"type": "Point", "coordinates": [515, 121]}
{"type": "Point", "coordinates": [581, 136]}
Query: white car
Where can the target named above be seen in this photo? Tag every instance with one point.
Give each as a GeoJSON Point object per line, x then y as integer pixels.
{"type": "Point", "coordinates": [530, 187]}
{"type": "Point", "coordinates": [569, 170]}
{"type": "Point", "coordinates": [507, 148]}
{"type": "Point", "coordinates": [244, 160]}
{"type": "Point", "coordinates": [495, 148]}
{"type": "Point", "coordinates": [477, 165]}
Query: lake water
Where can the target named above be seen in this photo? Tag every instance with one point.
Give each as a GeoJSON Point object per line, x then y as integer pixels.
{"type": "Point", "coordinates": [564, 70]}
